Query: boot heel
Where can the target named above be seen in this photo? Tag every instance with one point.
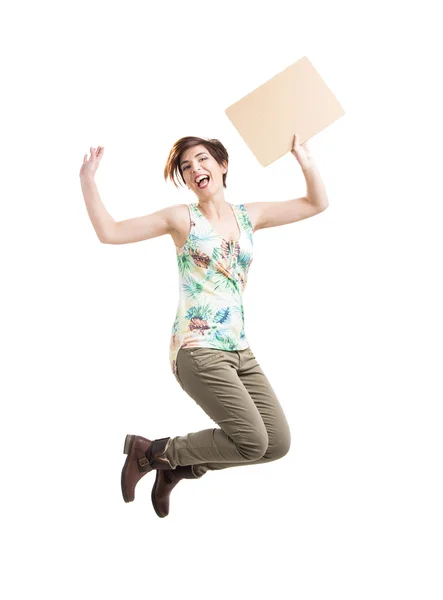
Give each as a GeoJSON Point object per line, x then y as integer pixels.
{"type": "Point", "coordinates": [128, 443]}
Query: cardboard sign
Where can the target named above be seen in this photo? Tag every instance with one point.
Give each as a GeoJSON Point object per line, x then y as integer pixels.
{"type": "Point", "coordinates": [295, 100]}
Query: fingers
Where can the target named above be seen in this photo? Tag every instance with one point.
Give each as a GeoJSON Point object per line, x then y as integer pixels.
{"type": "Point", "coordinates": [96, 152]}
{"type": "Point", "coordinates": [297, 142]}
{"type": "Point", "coordinates": [306, 147]}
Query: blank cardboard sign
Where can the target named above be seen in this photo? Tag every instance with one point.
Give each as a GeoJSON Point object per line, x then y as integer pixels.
{"type": "Point", "coordinates": [295, 100]}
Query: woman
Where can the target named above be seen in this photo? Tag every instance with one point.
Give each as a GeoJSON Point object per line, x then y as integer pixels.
{"type": "Point", "coordinates": [209, 354]}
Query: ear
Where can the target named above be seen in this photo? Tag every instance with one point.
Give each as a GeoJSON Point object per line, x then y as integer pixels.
{"type": "Point", "coordinates": [225, 167]}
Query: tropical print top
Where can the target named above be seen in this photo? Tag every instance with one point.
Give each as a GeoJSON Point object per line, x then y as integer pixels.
{"type": "Point", "coordinates": [213, 273]}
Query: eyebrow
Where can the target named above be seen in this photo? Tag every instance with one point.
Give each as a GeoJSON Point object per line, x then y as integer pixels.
{"type": "Point", "coordinates": [194, 157]}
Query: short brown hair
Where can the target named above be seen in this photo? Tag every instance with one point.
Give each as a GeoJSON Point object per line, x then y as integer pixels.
{"type": "Point", "coordinates": [173, 168]}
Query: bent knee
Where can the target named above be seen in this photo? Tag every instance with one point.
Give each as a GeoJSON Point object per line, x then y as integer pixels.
{"type": "Point", "coordinates": [254, 446]}
{"type": "Point", "coordinates": [283, 448]}
{"type": "Point", "coordinates": [280, 449]}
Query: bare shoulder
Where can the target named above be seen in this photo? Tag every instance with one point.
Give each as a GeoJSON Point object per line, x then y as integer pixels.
{"type": "Point", "coordinates": [178, 214]}
{"type": "Point", "coordinates": [253, 210]}
{"type": "Point", "coordinates": [179, 223]}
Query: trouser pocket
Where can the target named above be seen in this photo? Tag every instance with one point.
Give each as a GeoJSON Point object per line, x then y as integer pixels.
{"type": "Point", "coordinates": [204, 357]}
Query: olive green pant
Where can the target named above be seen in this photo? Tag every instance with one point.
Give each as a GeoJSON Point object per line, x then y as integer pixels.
{"type": "Point", "coordinates": [232, 389]}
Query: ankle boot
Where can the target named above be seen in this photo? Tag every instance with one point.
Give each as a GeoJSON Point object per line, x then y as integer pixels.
{"type": "Point", "coordinates": [165, 482]}
{"type": "Point", "coordinates": [143, 456]}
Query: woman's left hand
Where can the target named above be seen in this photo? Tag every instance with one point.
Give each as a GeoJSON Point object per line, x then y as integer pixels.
{"type": "Point", "coordinates": [301, 152]}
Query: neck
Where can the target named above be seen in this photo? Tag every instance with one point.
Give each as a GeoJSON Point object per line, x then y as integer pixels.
{"type": "Point", "coordinates": [213, 204]}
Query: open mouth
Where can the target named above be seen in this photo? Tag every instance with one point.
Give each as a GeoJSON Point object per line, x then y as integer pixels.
{"type": "Point", "coordinates": [203, 181]}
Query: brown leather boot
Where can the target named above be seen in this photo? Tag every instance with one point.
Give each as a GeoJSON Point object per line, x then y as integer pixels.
{"type": "Point", "coordinates": [143, 456]}
{"type": "Point", "coordinates": [165, 482]}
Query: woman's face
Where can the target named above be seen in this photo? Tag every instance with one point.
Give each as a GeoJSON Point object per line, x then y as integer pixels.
{"type": "Point", "coordinates": [197, 162]}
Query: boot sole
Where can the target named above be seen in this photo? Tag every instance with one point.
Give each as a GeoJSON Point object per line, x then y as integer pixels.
{"type": "Point", "coordinates": [129, 440]}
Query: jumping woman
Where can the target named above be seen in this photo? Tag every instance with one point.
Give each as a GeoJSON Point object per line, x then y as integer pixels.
{"type": "Point", "coordinates": [209, 354]}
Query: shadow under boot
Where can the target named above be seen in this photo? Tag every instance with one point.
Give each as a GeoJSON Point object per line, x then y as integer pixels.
{"type": "Point", "coordinates": [165, 482]}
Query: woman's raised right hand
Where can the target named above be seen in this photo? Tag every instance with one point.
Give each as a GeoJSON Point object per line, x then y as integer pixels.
{"type": "Point", "coordinates": [91, 164]}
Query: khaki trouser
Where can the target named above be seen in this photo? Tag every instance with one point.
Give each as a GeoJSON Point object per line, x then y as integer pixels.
{"type": "Point", "coordinates": [232, 389]}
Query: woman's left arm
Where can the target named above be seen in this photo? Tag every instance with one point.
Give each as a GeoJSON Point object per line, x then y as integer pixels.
{"type": "Point", "coordinates": [274, 214]}
{"type": "Point", "coordinates": [316, 192]}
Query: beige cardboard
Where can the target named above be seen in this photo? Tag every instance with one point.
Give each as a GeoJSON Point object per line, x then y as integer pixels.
{"type": "Point", "coordinates": [295, 100]}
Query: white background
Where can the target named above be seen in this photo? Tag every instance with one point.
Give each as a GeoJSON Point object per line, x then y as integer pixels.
{"type": "Point", "coordinates": [343, 310]}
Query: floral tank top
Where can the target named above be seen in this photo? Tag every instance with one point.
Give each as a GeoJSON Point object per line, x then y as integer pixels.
{"type": "Point", "coordinates": [213, 273]}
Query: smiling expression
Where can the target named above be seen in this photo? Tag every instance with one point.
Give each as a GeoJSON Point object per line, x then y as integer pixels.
{"type": "Point", "coordinates": [197, 162]}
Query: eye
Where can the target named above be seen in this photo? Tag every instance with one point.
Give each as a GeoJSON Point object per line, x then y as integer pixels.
{"type": "Point", "coordinates": [187, 166]}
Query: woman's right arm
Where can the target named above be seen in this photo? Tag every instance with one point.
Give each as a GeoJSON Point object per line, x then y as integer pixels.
{"type": "Point", "coordinates": [107, 229]}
